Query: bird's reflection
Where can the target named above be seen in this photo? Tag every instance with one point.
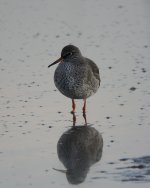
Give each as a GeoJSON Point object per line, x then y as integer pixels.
{"type": "Point", "coordinates": [78, 149]}
{"type": "Point", "coordinates": [74, 118]}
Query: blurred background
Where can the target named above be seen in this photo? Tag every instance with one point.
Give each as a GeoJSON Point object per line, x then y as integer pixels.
{"type": "Point", "coordinates": [33, 114]}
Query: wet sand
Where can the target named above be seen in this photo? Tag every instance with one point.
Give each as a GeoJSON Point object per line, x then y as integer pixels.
{"type": "Point", "coordinates": [34, 115]}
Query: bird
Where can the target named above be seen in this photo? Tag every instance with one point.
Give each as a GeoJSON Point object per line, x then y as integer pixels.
{"type": "Point", "coordinates": [76, 76]}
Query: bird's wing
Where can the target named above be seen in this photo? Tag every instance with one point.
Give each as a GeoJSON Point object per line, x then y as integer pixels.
{"type": "Point", "coordinates": [94, 68]}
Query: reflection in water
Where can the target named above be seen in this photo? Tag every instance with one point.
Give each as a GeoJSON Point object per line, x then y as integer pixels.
{"type": "Point", "coordinates": [78, 149]}
{"type": "Point", "coordinates": [74, 118]}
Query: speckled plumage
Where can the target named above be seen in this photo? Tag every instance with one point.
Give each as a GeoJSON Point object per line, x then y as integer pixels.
{"type": "Point", "coordinates": [77, 78]}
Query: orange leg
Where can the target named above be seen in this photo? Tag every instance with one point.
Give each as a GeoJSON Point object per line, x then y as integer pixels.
{"type": "Point", "coordinates": [84, 116]}
{"type": "Point", "coordinates": [84, 107]}
{"type": "Point", "coordinates": [84, 111]}
{"type": "Point", "coordinates": [73, 106]}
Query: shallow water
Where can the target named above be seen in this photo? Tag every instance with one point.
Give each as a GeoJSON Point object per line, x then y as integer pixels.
{"type": "Point", "coordinates": [34, 115]}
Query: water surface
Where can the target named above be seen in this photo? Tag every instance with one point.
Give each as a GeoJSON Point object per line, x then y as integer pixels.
{"type": "Point", "coordinates": [34, 115]}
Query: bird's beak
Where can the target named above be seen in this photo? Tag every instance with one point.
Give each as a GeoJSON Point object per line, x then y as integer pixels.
{"type": "Point", "coordinates": [57, 61]}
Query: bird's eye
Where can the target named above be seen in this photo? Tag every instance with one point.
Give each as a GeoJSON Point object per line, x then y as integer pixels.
{"type": "Point", "coordinates": [67, 54]}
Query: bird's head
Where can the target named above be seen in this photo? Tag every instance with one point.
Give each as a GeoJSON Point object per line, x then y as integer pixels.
{"type": "Point", "coordinates": [68, 53]}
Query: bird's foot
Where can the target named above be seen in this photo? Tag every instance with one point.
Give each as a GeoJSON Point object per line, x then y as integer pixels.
{"type": "Point", "coordinates": [74, 118]}
{"type": "Point", "coordinates": [84, 116]}
{"type": "Point", "coordinates": [72, 112]}
{"type": "Point", "coordinates": [84, 107]}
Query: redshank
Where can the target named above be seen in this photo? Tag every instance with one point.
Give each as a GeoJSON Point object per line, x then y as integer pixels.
{"type": "Point", "coordinates": [76, 76]}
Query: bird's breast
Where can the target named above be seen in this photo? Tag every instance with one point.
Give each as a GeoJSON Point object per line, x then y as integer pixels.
{"type": "Point", "coordinates": [68, 80]}
{"type": "Point", "coordinates": [75, 81]}
{"type": "Point", "coordinates": [64, 74]}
